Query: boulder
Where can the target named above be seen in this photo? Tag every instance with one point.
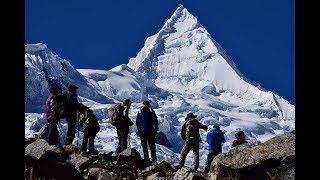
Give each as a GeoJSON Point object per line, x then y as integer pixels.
{"type": "Point", "coordinates": [70, 148]}
{"type": "Point", "coordinates": [273, 159]}
{"type": "Point", "coordinates": [162, 139]}
{"type": "Point", "coordinates": [43, 161]}
{"type": "Point", "coordinates": [187, 174]}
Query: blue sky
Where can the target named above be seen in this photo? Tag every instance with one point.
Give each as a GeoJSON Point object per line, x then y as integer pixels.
{"type": "Point", "coordinates": [259, 36]}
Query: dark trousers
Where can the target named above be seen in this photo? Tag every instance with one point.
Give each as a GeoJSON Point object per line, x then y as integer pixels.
{"type": "Point", "coordinates": [122, 139]}
{"type": "Point", "coordinates": [146, 139]}
{"type": "Point", "coordinates": [188, 145]}
{"type": "Point", "coordinates": [53, 135]}
{"type": "Point", "coordinates": [72, 122]}
{"type": "Point", "coordinates": [210, 157]}
{"type": "Point", "coordinates": [89, 134]}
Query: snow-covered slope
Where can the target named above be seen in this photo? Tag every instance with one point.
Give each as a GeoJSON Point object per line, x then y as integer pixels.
{"type": "Point", "coordinates": [43, 69]}
{"type": "Point", "coordinates": [183, 57]}
{"type": "Point", "coordinates": [180, 69]}
{"type": "Point", "coordinates": [119, 82]}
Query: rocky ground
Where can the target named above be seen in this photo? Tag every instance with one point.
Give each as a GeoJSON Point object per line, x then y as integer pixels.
{"type": "Point", "coordinates": [273, 159]}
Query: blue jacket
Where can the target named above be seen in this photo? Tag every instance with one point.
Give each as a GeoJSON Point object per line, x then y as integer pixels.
{"type": "Point", "coordinates": [146, 120]}
{"type": "Point", "coordinates": [215, 139]}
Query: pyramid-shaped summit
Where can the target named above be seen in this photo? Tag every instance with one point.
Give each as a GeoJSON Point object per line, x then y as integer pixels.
{"type": "Point", "coordinates": [183, 57]}
{"type": "Point", "coordinates": [185, 49]}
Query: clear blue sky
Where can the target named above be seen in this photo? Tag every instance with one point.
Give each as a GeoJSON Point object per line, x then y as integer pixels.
{"type": "Point", "coordinates": [259, 36]}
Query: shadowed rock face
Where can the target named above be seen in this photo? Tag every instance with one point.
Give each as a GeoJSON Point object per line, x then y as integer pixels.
{"type": "Point", "coordinates": [162, 139]}
{"type": "Point", "coordinates": [274, 159]}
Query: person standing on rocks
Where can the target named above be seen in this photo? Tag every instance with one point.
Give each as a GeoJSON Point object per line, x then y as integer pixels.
{"type": "Point", "coordinates": [52, 117]}
{"type": "Point", "coordinates": [122, 124]}
{"type": "Point", "coordinates": [147, 125]}
{"type": "Point", "coordinates": [215, 139]}
{"type": "Point", "coordinates": [190, 133]}
{"type": "Point", "coordinates": [71, 113]}
{"type": "Point", "coordinates": [90, 126]}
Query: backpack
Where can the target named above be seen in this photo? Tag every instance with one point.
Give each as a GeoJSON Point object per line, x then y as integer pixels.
{"type": "Point", "coordinates": [59, 105]}
{"type": "Point", "coordinates": [115, 113]}
{"type": "Point", "coordinates": [191, 129]}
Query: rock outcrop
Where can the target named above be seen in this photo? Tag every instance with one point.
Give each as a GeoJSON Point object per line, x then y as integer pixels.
{"type": "Point", "coordinates": [162, 139]}
{"type": "Point", "coordinates": [274, 159]}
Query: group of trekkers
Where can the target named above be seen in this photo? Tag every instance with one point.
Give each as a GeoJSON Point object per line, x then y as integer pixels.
{"type": "Point", "coordinates": [146, 122]}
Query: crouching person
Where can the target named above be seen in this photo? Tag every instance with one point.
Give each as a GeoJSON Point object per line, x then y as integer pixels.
{"type": "Point", "coordinates": [90, 126]}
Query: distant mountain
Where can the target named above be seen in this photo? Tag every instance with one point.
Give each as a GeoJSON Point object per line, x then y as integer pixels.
{"type": "Point", "coordinates": [44, 69]}
{"type": "Point", "coordinates": [183, 57]}
{"type": "Point", "coordinates": [179, 69]}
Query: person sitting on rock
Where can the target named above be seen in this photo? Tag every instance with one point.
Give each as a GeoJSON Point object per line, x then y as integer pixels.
{"type": "Point", "coordinates": [240, 139]}
{"type": "Point", "coordinates": [91, 128]}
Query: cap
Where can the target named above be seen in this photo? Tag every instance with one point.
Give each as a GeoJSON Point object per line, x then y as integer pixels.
{"type": "Point", "coordinates": [72, 86]}
{"type": "Point", "coordinates": [127, 102]}
{"type": "Point", "coordinates": [240, 135]}
{"type": "Point", "coordinates": [216, 127]}
{"type": "Point", "coordinates": [146, 103]}
{"type": "Point", "coordinates": [190, 114]}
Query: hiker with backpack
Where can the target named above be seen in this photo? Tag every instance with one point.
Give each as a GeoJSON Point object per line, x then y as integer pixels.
{"type": "Point", "coordinates": [90, 125]}
{"type": "Point", "coordinates": [71, 113]}
{"type": "Point", "coordinates": [52, 116]}
{"type": "Point", "coordinates": [240, 139]}
{"type": "Point", "coordinates": [147, 125]}
{"type": "Point", "coordinates": [190, 133]}
{"type": "Point", "coordinates": [215, 139]}
{"type": "Point", "coordinates": [119, 117]}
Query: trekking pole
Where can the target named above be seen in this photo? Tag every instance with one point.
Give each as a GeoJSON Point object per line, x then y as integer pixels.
{"type": "Point", "coordinates": [77, 129]}
{"type": "Point", "coordinates": [60, 131]}
{"type": "Point", "coordinates": [129, 145]}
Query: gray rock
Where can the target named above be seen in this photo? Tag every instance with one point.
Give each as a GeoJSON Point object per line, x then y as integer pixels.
{"type": "Point", "coordinates": [70, 148]}
{"type": "Point", "coordinates": [184, 173]}
{"type": "Point", "coordinates": [40, 147]}
{"type": "Point", "coordinates": [80, 161]}
{"type": "Point", "coordinates": [45, 161]}
{"type": "Point", "coordinates": [272, 159]}
{"type": "Point", "coordinates": [162, 139]}
{"type": "Point", "coordinates": [108, 176]}
{"type": "Point", "coordinates": [94, 173]}
{"type": "Point", "coordinates": [158, 176]}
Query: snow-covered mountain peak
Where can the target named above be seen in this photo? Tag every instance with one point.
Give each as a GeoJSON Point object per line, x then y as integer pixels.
{"type": "Point", "coordinates": [29, 48]}
{"type": "Point", "coordinates": [43, 68]}
{"type": "Point", "coordinates": [182, 20]}
{"type": "Point", "coordinates": [184, 58]}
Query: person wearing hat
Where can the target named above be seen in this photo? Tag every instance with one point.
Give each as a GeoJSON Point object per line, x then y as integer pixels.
{"type": "Point", "coordinates": [123, 126]}
{"type": "Point", "coordinates": [71, 113]}
{"type": "Point", "coordinates": [215, 139]}
{"type": "Point", "coordinates": [190, 133]}
{"type": "Point", "coordinates": [240, 139]}
{"type": "Point", "coordinates": [147, 126]}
